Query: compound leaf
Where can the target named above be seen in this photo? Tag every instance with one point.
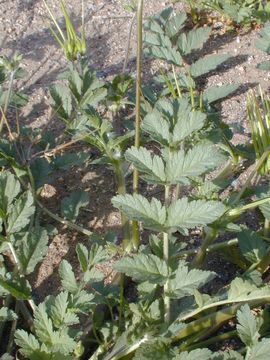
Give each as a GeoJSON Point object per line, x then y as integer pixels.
{"type": "Point", "coordinates": [143, 268]}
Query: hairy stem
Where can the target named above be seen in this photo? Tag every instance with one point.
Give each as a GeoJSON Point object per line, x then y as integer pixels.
{"type": "Point", "coordinates": [210, 236]}
{"type": "Point", "coordinates": [121, 190]}
{"type": "Point", "coordinates": [166, 257]}
{"type": "Point", "coordinates": [135, 225]}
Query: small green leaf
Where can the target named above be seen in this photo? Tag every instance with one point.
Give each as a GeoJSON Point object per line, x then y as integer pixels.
{"type": "Point", "coordinates": [193, 40]}
{"type": "Point", "coordinates": [150, 165]}
{"type": "Point", "coordinates": [186, 125]}
{"type": "Point", "coordinates": [17, 286]}
{"type": "Point", "coordinates": [27, 342]}
{"type": "Point", "coordinates": [92, 276]}
{"type": "Point", "coordinates": [62, 100]}
{"type": "Point", "coordinates": [70, 206]}
{"type": "Point", "coordinates": [247, 326]}
{"type": "Point", "coordinates": [206, 64]}
{"type": "Point", "coordinates": [68, 279]}
{"type": "Point", "coordinates": [60, 313]}
{"type": "Point", "coordinates": [20, 212]}
{"type": "Point", "coordinates": [185, 282]}
{"type": "Point", "coordinates": [183, 214]}
{"type": "Point", "coordinates": [260, 351]}
{"type": "Point", "coordinates": [198, 354]}
{"type": "Point", "coordinates": [252, 246]}
{"type": "Point", "coordinates": [43, 325]}
{"type": "Point", "coordinates": [137, 207]}
{"type": "Point", "coordinates": [32, 248]}
{"type": "Point", "coordinates": [9, 189]}
{"type": "Point", "coordinates": [82, 254]}
{"type": "Point", "coordinates": [157, 127]}
{"type": "Point", "coordinates": [143, 268]}
{"type": "Point", "coordinates": [215, 93]}
{"type": "Point", "coordinates": [7, 315]}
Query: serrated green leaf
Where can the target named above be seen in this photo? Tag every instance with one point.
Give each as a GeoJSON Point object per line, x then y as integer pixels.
{"type": "Point", "coordinates": [186, 125]}
{"type": "Point", "coordinates": [198, 354]}
{"type": "Point", "coordinates": [66, 161]}
{"type": "Point", "coordinates": [243, 290]}
{"type": "Point", "coordinates": [62, 100]}
{"type": "Point", "coordinates": [193, 40]}
{"type": "Point", "coordinates": [260, 351]}
{"type": "Point", "coordinates": [247, 327]}
{"type": "Point", "coordinates": [252, 246]}
{"type": "Point", "coordinates": [92, 276]}
{"type": "Point", "coordinates": [70, 206]}
{"type": "Point", "coordinates": [168, 53]}
{"type": "Point", "coordinates": [32, 248]}
{"type": "Point", "coordinates": [27, 342]}
{"type": "Point", "coordinates": [227, 355]}
{"type": "Point", "coordinates": [9, 189]}
{"type": "Point", "coordinates": [151, 166]}
{"type": "Point", "coordinates": [157, 127]}
{"type": "Point", "coordinates": [154, 349]}
{"type": "Point", "coordinates": [137, 207]}
{"type": "Point", "coordinates": [175, 24]}
{"type": "Point", "coordinates": [41, 171]}
{"type": "Point", "coordinates": [60, 313]}
{"type": "Point", "coordinates": [17, 286]}
{"type": "Point", "coordinates": [20, 212]}
{"type": "Point", "coordinates": [43, 325]}
{"type": "Point", "coordinates": [215, 93]}
{"type": "Point", "coordinates": [97, 255]}
{"type": "Point", "coordinates": [206, 64]}
{"type": "Point", "coordinates": [68, 279]}
{"type": "Point", "coordinates": [185, 282]}
{"type": "Point", "coordinates": [195, 162]}
{"type": "Point", "coordinates": [183, 214]}
{"type": "Point", "coordinates": [7, 314]}
{"type": "Point", "coordinates": [143, 268]}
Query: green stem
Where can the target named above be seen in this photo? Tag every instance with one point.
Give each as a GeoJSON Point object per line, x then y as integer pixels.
{"type": "Point", "coordinates": [7, 99]}
{"type": "Point", "coordinates": [260, 162]}
{"type": "Point", "coordinates": [121, 190]}
{"type": "Point", "coordinates": [70, 224]}
{"type": "Point", "coordinates": [166, 257]}
{"type": "Point", "coordinates": [12, 332]}
{"type": "Point", "coordinates": [213, 340]}
{"type": "Point", "coordinates": [135, 225]}
{"type": "Point", "coordinates": [210, 236]}
{"type": "Point", "coordinates": [214, 247]}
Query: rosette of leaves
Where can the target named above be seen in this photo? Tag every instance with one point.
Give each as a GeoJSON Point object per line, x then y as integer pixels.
{"type": "Point", "coordinates": [166, 39]}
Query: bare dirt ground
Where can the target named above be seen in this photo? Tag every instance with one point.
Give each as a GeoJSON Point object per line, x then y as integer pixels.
{"type": "Point", "coordinates": [24, 28]}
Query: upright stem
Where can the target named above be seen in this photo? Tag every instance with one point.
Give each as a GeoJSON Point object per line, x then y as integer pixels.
{"type": "Point", "coordinates": [135, 225]}
{"type": "Point", "coordinates": [166, 256]}
{"type": "Point", "coordinates": [7, 99]}
{"type": "Point", "coordinates": [121, 190]}
{"type": "Point", "coordinates": [210, 235]}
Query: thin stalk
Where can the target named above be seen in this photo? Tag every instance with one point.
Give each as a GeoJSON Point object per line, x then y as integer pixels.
{"type": "Point", "coordinates": [166, 257]}
{"type": "Point", "coordinates": [210, 236]}
{"type": "Point", "coordinates": [135, 225]}
{"type": "Point", "coordinates": [51, 214]}
{"type": "Point", "coordinates": [176, 82]}
{"type": "Point", "coordinates": [128, 43]}
{"type": "Point", "coordinates": [214, 247]}
{"type": "Point", "coordinates": [12, 332]}
{"type": "Point", "coordinates": [213, 340]}
{"type": "Point", "coordinates": [266, 229]}
{"type": "Point", "coordinates": [213, 319]}
{"type": "Point", "coordinates": [121, 190]}
{"type": "Point", "coordinates": [252, 174]}
{"type": "Point", "coordinates": [7, 99]}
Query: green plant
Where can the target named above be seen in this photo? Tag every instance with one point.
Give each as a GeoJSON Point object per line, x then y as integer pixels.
{"type": "Point", "coordinates": [264, 44]}
{"type": "Point", "coordinates": [73, 45]}
{"type": "Point", "coordinates": [173, 311]}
